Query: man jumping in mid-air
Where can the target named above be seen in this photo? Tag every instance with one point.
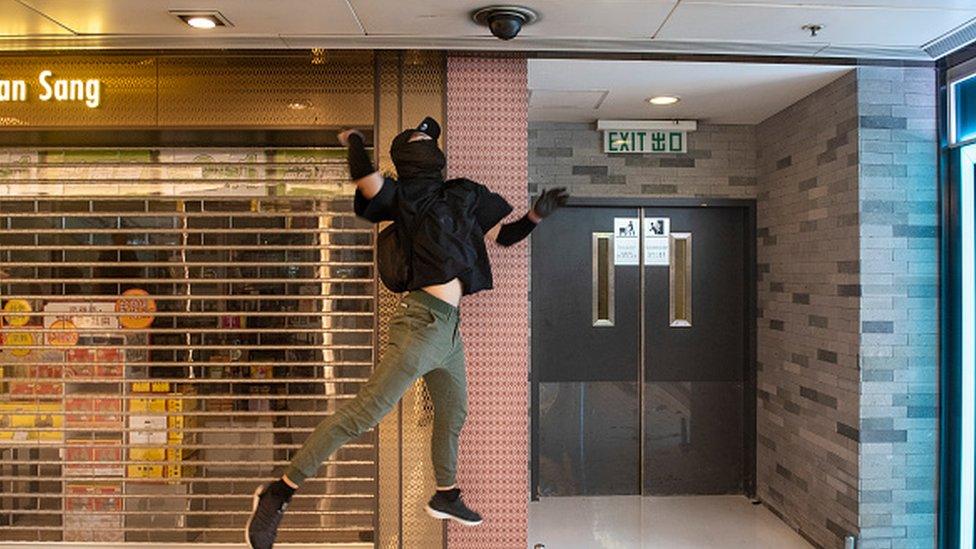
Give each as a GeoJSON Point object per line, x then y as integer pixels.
{"type": "Point", "coordinates": [450, 221]}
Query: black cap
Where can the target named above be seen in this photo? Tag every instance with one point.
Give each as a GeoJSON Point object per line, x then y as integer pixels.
{"type": "Point", "coordinates": [430, 127]}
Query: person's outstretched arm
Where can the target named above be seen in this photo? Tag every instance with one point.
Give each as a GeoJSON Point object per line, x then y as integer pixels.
{"type": "Point", "coordinates": [368, 179]}
{"type": "Point", "coordinates": [375, 198]}
{"type": "Point", "coordinates": [508, 234]}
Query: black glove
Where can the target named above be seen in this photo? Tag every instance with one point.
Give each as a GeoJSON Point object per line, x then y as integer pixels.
{"type": "Point", "coordinates": [550, 201]}
{"type": "Point", "coordinates": [360, 164]}
{"type": "Point", "coordinates": [346, 134]}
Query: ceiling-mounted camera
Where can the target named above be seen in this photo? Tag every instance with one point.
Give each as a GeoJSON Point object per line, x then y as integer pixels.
{"type": "Point", "coordinates": [505, 22]}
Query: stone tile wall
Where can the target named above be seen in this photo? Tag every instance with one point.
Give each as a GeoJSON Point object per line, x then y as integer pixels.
{"type": "Point", "coordinates": [899, 245]}
{"type": "Point", "coordinates": [808, 326]}
{"type": "Point", "coordinates": [721, 162]}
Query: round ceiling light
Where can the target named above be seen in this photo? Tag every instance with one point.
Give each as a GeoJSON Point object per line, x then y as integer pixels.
{"type": "Point", "coordinates": [662, 100]}
{"type": "Point", "coordinates": [201, 22]}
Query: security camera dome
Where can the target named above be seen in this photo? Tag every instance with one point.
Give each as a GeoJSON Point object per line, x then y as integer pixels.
{"type": "Point", "coordinates": [505, 22]}
{"type": "Point", "coordinates": [505, 25]}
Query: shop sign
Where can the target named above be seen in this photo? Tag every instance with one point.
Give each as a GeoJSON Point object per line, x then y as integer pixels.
{"type": "Point", "coordinates": [17, 306]}
{"type": "Point", "coordinates": [66, 334]}
{"type": "Point", "coordinates": [83, 316]}
{"type": "Point", "coordinates": [50, 88]}
{"type": "Point", "coordinates": [18, 343]}
{"type": "Point", "coordinates": [138, 302]}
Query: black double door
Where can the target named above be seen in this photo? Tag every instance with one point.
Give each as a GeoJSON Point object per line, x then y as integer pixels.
{"type": "Point", "coordinates": [642, 340]}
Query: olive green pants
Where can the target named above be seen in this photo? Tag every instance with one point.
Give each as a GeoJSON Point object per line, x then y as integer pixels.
{"type": "Point", "coordinates": [425, 341]}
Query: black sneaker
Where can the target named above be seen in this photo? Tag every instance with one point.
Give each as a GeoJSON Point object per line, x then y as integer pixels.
{"type": "Point", "coordinates": [448, 505]}
{"type": "Point", "coordinates": [266, 512]}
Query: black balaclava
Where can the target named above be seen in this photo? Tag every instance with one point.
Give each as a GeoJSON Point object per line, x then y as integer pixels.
{"type": "Point", "coordinates": [421, 159]}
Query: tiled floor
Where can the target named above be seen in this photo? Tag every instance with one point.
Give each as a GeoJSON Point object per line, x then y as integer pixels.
{"type": "Point", "coordinates": [631, 522]}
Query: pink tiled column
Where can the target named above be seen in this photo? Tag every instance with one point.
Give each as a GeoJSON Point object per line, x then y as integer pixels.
{"type": "Point", "coordinates": [487, 103]}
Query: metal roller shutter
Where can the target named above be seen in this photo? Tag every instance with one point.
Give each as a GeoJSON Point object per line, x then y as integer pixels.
{"type": "Point", "coordinates": [175, 323]}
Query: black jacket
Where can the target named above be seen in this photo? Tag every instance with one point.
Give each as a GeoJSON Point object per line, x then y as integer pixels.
{"type": "Point", "coordinates": [449, 240]}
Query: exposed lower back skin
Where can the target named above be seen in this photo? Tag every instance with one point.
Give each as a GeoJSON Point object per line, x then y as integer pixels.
{"type": "Point", "coordinates": [449, 292]}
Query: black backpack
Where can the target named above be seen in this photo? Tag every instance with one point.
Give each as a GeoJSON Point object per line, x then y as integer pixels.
{"type": "Point", "coordinates": [394, 253]}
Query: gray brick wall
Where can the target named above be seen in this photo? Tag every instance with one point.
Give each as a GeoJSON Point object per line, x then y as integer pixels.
{"type": "Point", "coordinates": [847, 217]}
{"type": "Point", "coordinates": [720, 163]}
{"type": "Point", "coordinates": [899, 307]}
{"type": "Point", "coordinates": [808, 257]}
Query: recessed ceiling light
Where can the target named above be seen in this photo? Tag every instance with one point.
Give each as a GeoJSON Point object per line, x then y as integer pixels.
{"type": "Point", "coordinates": [664, 100]}
{"type": "Point", "coordinates": [202, 19]}
{"type": "Point", "coordinates": [201, 22]}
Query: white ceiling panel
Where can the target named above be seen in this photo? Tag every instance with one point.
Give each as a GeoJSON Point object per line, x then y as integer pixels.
{"type": "Point", "coordinates": [17, 20]}
{"type": "Point", "coordinates": [89, 42]}
{"type": "Point", "coordinates": [719, 93]}
{"type": "Point", "coordinates": [566, 99]}
{"type": "Point", "coordinates": [249, 17]}
{"type": "Point", "coordinates": [896, 4]}
{"type": "Point", "coordinates": [560, 18]}
{"type": "Point", "coordinates": [782, 24]}
{"type": "Point", "coordinates": [884, 29]}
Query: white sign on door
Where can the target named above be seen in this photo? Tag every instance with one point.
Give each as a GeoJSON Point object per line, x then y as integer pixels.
{"type": "Point", "coordinates": [626, 243]}
{"type": "Point", "coordinates": [657, 231]}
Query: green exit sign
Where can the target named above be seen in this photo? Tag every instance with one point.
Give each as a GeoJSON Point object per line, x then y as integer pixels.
{"type": "Point", "coordinates": [645, 141]}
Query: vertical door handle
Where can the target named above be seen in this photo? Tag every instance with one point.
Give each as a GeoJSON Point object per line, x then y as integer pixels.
{"type": "Point", "coordinates": [603, 272]}
{"type": "Point", "coordinates": [679, 245]}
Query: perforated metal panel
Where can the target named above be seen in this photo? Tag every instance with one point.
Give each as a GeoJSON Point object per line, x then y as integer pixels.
{"type": "Point", "coordinates": [335, 90]}
{"type": "Point", "coordinates": [388, 111]}
{"type": "Point", "coordinates": [423, 82]}
{"type": "Point", "coordinates": [122, 421]}
{"type": "Point", "coordinates": [487, 112]}
{"type": "Point", "coordinates": [411, 86]}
